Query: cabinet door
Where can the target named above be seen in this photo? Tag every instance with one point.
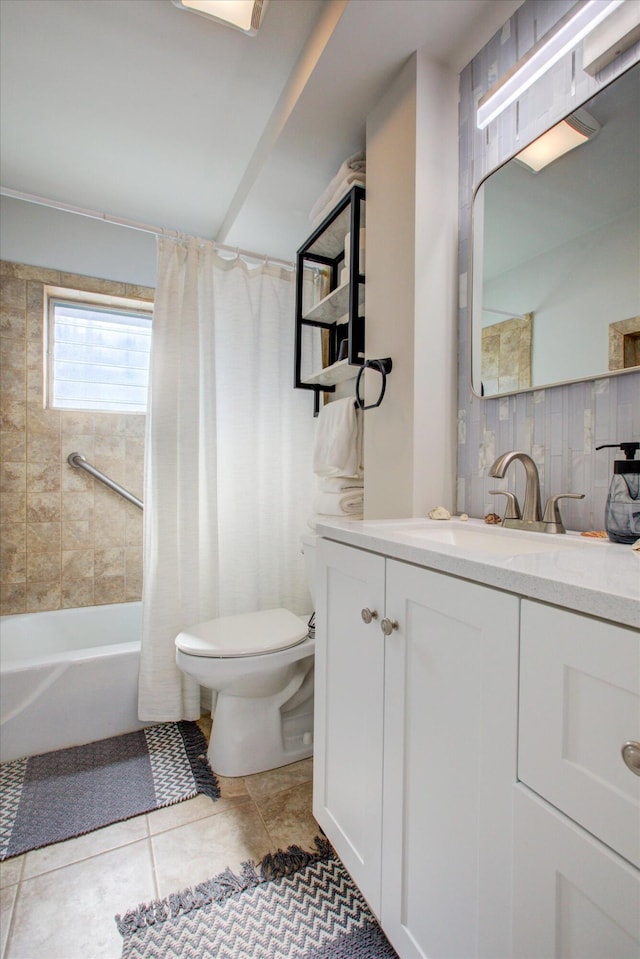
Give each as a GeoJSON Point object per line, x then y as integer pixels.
{"type": "Point", "coordinates": [347, 794]}
{"type": "Point", "coordinates": [450, 765]}
{"type": "Point", "coordinates": [573, 897]}
{"type": "Point", "coordinates": [579, 704]}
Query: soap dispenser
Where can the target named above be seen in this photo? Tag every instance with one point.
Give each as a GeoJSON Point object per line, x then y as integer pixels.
{"type": "Point", "coordinates": [622, 512]}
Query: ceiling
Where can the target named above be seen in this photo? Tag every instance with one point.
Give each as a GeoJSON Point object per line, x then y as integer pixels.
{"type": "Point", "coordinates": [144, 112]}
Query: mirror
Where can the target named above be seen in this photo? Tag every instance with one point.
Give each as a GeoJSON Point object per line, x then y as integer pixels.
{"type": "Point", "coordinates": [556, 255]}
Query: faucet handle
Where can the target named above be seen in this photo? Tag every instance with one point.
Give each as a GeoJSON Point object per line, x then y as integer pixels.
{"type": "Point", "coordinates": [552, 516]}
{"type": "Point", "coordinates": [512, 510]}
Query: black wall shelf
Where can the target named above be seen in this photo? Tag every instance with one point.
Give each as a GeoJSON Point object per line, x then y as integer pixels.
{"type": "Point", "coordinates": [341, 311]}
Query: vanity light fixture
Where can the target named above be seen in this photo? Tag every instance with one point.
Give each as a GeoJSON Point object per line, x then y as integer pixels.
{"type": "Point", "coordinates": [613, 37]}
{"type": "Point", "coordinates": [570, 133]}
{"type": "Point", "coordinates": [567, 33]}
{"type": "Point", "coordinates": [245, 15]}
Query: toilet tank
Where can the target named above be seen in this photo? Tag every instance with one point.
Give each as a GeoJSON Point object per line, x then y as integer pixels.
{"type": "Point", "coordinates": [309, 549]}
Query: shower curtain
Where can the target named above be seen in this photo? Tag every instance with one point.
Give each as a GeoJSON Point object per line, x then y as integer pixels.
{"type": "Point", "coordinates": [227, 459]}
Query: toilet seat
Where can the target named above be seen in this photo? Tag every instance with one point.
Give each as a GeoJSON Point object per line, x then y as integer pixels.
{"type": "Point", "coordinates": [247, 634]}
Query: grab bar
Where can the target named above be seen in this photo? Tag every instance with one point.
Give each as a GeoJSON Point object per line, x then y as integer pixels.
{"type": "Point", "coordinates": [78, 460]}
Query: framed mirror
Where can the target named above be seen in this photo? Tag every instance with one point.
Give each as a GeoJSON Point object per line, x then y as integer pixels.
{"type": "Point", "coordinates": [556, 252]}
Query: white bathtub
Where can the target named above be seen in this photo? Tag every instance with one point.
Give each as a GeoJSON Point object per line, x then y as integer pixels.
{"type": "Point", "coordinates": [68, 677]}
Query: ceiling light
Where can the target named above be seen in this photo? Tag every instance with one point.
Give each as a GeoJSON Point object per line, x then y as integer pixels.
{"type": "Point", "coordinates": [569, 31]}
{"type": "Point", "coordinates": [560, 139]}
{"type": "Point", "coordinates": [245, 15]}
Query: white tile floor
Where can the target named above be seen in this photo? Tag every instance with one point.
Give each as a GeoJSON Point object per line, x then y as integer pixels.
{"type": "Point", "coordinates": [59, 902]}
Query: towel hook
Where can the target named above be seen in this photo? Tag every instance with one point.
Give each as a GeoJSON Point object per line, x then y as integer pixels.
{"type": "Point", "coordinates": [383, 366]}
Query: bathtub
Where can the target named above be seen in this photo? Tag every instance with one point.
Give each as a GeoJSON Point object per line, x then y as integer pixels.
{"type": "Point", "coordinates": [68, 677]}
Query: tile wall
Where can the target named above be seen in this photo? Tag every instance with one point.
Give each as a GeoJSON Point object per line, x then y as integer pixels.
{"type": "Point", "coordinates": [65, 540]}
{"type": "Point", "coordinates": [559, 426]}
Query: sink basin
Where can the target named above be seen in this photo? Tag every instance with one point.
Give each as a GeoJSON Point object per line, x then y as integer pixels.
{"type": "Point", "coordinates": [494, 540]}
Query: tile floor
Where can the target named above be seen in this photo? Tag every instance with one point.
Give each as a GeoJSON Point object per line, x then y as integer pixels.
{"type": "Point", "coordinates": [59, 902]}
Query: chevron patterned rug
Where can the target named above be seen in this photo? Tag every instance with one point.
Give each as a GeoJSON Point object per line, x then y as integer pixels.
{"type": "Point", "coordinates": [69, 792]}
{"type": "Point", "coordinates": [293, 905]}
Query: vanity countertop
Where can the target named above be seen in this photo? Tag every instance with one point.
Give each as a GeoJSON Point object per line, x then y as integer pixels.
{"type": "Point", "coordinates": [590, 576]}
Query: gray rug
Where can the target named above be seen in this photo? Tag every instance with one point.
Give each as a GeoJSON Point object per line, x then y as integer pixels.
{"type": "Point", "coordinates": [56, 796]}
{"type": "Point", "coordinates": [293, 905]}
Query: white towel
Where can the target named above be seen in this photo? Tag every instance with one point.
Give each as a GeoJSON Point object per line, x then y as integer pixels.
{"type": "Point", "coordinates": [338, 443]}
{"type": "Point", "coordinates": [347, 503]}
{"type": "Point", "coordinates": [353, 164]}
{"type": "Point", "coordinates": [352, 179]}
{"type": "Point", "coordinates": [336, 484]}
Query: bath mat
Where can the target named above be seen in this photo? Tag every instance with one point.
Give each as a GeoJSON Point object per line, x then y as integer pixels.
{"type": "Point", "coordinates": [46, 799]}
{"type": "Point", "coordinates": [293, 905]}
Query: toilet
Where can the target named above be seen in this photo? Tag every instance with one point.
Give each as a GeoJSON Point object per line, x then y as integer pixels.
{"type": "Point", "coordinates": [259, 667]}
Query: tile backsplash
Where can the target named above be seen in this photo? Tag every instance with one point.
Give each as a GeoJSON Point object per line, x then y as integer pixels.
{"type": "Point", "coordinates": [65, 540]}
{"type": "Point", "coordinates": [559, 426]}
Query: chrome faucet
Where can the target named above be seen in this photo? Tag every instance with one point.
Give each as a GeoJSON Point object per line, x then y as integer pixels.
{"type": "Point", "coordinates": [532, 517]}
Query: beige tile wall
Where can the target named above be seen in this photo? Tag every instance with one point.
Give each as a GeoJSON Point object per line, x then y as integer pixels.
{"type": "Point", "coordinates": [506, 355]}
{"type": "Point", "coordinates": [65, 540]}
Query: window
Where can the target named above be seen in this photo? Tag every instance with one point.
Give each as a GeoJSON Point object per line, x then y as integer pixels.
{"type": "Point", "coordinates": [97, 352]}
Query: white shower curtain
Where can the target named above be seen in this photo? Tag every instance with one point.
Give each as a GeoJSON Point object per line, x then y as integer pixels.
{"type": "Point", "coordinates": [228, 458]}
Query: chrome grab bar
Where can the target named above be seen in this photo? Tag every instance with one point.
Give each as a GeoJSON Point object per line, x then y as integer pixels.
{"type": "Point", "coordinates": [78, 460]}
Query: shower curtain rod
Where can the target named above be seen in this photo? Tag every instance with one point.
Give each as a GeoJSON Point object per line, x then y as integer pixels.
{"type": "Point", "coordinates": [132, 224]}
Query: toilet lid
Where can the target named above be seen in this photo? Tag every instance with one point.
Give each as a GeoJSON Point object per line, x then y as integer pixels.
{"type": "Point", "coordinates": [248, 634]}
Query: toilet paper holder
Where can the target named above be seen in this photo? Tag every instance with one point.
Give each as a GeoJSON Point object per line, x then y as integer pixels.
{"type": "Point", "coordinates": [384, 365]}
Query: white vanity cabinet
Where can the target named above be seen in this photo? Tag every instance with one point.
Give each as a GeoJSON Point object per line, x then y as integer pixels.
{"type": "Point", "coordinates": [573, 897]}
{"type": "Point", "coordinates": [415, 751]}
{"type": "Point", "coordinates": [468, 765]}
{"type": "Point", "coordinates": [578, 845]}
{"type": "Point", "coordinates": [348, 722]}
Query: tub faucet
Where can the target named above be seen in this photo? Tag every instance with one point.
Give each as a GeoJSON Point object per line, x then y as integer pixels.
{"type": "Point", "coordinates": [532, 510]}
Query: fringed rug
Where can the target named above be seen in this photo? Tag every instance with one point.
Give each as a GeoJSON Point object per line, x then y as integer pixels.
{"type": "Point", "coordinates": [293, 905]}
{"type": "Point", "coordinates": [56, 796]}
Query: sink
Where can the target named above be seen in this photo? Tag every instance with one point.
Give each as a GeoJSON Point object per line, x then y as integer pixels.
{"type": "Point", "coordinates": [493, 540]}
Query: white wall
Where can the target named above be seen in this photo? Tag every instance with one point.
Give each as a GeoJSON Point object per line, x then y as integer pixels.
{"type": "Point", "coordinates": [391, 167]}
{"type": "Point", "coordinates": [412, 223]}
{"type": "Point", "coordinates": [58, 240]}
{"type": "Point", "coordinates": [436, 295]}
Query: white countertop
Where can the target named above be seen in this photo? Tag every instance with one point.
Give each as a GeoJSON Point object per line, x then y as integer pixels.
{"type": "Point", "coordinates": [592, 576]}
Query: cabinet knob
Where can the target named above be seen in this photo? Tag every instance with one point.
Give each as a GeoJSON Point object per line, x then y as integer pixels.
{"type": "Point", "coordinates": [368, 614]}
{"type": "Point", "coordinates": [388, 625]}
{"type": "Point", "coordinates": [631, 755]}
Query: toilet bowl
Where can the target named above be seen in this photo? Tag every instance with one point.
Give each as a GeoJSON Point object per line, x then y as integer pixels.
{"type": "Point", "coordinates": [259, 667]}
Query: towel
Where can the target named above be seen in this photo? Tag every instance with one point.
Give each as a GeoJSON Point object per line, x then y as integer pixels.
{"type": "Point", "coordinates": [352, 179]}
{"type": "Point", "coordinates": [347, 503]}
{"type": "Point", "coordinates": [338, 442]}
{"type": "Point", "coordinates": [353, 164]}
{"type": "Point", "coordinates": [335, 484]}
